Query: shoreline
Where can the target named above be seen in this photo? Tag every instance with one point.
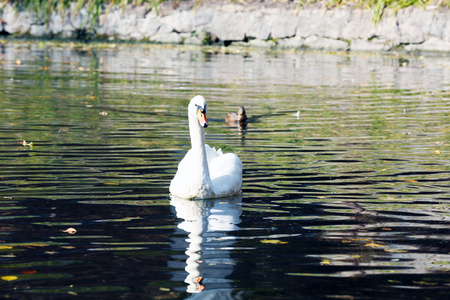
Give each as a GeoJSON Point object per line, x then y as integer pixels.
{"type": "Point", "coordinates": [254, 25]}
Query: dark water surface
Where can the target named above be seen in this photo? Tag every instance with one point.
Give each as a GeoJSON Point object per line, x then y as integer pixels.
{"type": "Point", "coordinates": [346, 187]}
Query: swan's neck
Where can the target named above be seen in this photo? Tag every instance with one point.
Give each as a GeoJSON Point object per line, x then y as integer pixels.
{"type": "Point", "coordinates": [197, 134]}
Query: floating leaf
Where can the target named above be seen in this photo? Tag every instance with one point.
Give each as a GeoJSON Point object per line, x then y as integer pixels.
{"type": "Point", "coordinates": [437, 151]}
{"type": "Point", "coordinates": [273, 242]}
{"type": "Point", "coordinates": [68, 247]}
{"type": "Point", "coordinates": [24, 143]}
{"type": "Point", "coordinates": [372, 244]}
{"type": "Point", "coordinates": [325, 262]}
{"type": "Point", "coordinates": [5, 247]}
{"type": "Point", "coordinates": [9, 278]}
{"type": "Point", "coordinates": [394, 281]}
{"type": "Point", "coordinates": [395, 250]}
{"type": "Point", "coordinates": [28, 272]}
{"type": "Point", "coordinates": [70, 230]}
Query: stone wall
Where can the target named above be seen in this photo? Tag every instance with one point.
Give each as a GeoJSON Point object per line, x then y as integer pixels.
{"type": "Point", "coordinates": [256, 24]}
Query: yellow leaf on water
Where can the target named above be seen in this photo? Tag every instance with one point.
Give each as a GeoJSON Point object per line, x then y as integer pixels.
{"type": "Point", "coordinates": [373, 245]}
{"type": "Point", "coordinates": [67, 247]}
{"type": "Point", "coordinates": [409, 180]}
{"type": "Point", "coordinates": [362, 240]}
{"type": "Point", "coordinates": [5, 247]}
{"type": "Point", "coordinates": [325, 262]}
{"type": "Point", "coordinates": [437, 151]}
{"type": "Point", "coordinates": [395, 250]}
{"type": "Point", "coordinates": [394, 281]}
{"type": "Point", "coordinates": [273, 242]}
{"type": "Point", "coordinates": [9, 278]}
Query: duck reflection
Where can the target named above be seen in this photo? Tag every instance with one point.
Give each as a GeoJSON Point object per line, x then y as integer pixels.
{"type": "Point", "coordinates": [207, 222]}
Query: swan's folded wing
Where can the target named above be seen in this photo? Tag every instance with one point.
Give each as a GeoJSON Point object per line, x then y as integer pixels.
{"type": "Point", "coordinates": [226, 174]}
{"type": "Point", "coordinates": [212, 153]}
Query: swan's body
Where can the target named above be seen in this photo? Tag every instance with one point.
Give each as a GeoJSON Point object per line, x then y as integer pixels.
{"type": "Point", "coordinates": [205, 173]}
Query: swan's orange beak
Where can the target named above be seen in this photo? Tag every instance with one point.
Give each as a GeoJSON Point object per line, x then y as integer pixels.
{"type": "Point", "coordinates": [202, 118]}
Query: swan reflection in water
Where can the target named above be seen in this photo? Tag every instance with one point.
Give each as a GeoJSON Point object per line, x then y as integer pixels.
{"type": "Point", "coordinates": [207, 223]}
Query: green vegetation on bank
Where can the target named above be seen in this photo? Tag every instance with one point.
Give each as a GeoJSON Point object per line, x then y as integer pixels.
{"type": "Point", "coordinates": [45, 8]}
{"type": "Point", "coordinates": [378, 6]}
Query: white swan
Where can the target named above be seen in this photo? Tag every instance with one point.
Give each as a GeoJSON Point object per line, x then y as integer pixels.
{"type": "Point", "coordinates": [205, 173]}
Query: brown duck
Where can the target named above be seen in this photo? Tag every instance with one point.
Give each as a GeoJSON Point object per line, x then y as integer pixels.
{"type": "Point", "coordinates": [237, 118]}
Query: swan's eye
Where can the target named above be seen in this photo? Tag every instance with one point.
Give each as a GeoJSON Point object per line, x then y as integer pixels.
{"type": "Point", "coordinates": [201, 108]}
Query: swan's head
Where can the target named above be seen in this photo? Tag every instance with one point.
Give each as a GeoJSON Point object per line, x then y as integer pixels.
{"type": "Point", "coordinates": [197, 109]}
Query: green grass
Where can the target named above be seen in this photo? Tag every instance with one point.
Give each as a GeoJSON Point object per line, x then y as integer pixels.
{"type": "Point", "coordinates": [44, 8]}
{"type": "Point", "coordinates": [377, 6]}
